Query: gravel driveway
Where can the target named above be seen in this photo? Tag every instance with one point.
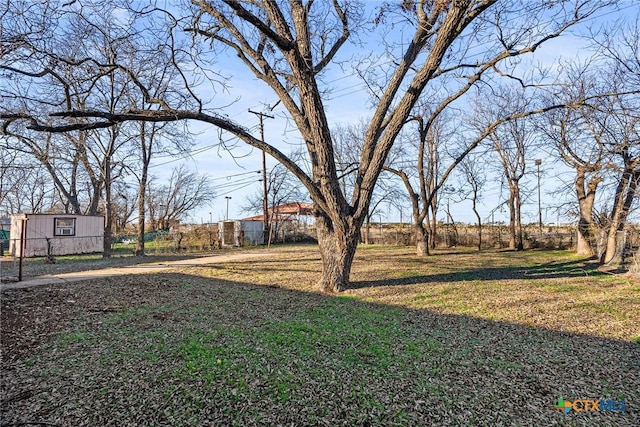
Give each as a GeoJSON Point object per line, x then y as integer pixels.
{"type": "Point", "coordinates": [102, 268]}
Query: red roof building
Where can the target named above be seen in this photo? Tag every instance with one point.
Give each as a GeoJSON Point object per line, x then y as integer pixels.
{"type": "Point", "coordinates": [286, 212]}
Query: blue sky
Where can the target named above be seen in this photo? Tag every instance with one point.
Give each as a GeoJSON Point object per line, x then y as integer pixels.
{"type": "Point", "coordinates": [233, 175]}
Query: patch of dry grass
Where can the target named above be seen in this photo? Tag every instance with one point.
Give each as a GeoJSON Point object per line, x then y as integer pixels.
{"type": "Point", "coordinates": [454, 339]}
{"type": "Point", "coordinates": [553, 289]}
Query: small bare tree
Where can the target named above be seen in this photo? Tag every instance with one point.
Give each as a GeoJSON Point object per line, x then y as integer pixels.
{"type": "Point", "coordinates": [123, 206]}
{"type": "Point", "coordinates": [473, 179]}
{"type": "Point", "coordinates": [511, 146]}
{"type": "Point", "coordinates": [427, 177]}
{"type": "Point", "coordinates": [148, 139]}
{"type": "Point", "coordinates": [184, 192]}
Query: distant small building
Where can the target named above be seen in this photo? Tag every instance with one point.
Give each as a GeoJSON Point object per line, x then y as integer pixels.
{"type": "Point", "coordinates": [287, 212]}
{"type": "Point", "coordinates": [56, 234]}
{"type": "Point", "coordinates": [290, 221]}
{"type": "Point", "coordinates": [239, 233]}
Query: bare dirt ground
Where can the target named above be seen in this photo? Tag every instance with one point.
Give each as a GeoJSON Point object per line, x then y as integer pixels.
{"type": "Point", "coordinates": [34, 267]}
{"type": "Point", "coordinates": [38, 273]}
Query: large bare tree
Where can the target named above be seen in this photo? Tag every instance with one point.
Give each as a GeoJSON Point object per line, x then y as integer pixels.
{"type": "Point", "coordinates": [289, 46]}
{"type": "Point", "coordinates": [622, 141]}
{"type": "Point", "coordinates": [600, 142]}
{"type": "Point", "coordinates": [578, 141]}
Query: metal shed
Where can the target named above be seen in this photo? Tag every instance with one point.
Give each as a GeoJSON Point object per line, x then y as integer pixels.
{"type": "Point", "coordinates": [239, 233]}
{"type": "Point", "coordinates": [56, 234]}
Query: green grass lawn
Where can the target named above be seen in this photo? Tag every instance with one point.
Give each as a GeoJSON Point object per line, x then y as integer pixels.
{"type": "Point", "coordinates": [553, 289]}
{"type": "Point", "coordinates": [455, 339]}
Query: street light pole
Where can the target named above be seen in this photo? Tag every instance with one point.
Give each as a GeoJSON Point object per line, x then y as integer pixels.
{"type": "Point", "coordinates": [228, 198]}
{"type": "Point", "coordinates": [538, 163]}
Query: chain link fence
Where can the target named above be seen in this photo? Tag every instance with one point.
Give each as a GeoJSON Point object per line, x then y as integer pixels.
{"type": "Point", "coordinates": [53, 255]}
{"type": "Point", "coordinates": [494, 236]}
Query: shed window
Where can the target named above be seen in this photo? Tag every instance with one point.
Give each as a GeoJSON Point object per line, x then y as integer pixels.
{"type": "Point", "coordinates": [64, 227]}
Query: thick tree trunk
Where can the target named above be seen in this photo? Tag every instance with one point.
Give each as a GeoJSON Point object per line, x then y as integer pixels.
{"type": "Point", "coordinates": [145, 152]}
{"type": "Point", "coordinates": [585, 231]}
{"type": "Point", "coordinates": [108, 237]}
{"type": "Point", "coordinates": [610, 255]}
{"type": "Point", "coordinates": [422, 240]}
{"type": "Point", "coordinates": [583, 244]}
{"type": "Point", "coordinates": [141, 214]}
{"type": "Point", "coordinates": [625, 193]}
{"type": "Point", "coordinates": [367, 229]}
{"type": "Point", "coordinates": [108, 223]}
{"type": "Point", "coordinates": [337, 249]}
{"type": "Point", "coordinates": [515, 218]}
{"type": "Point", "coordinates": [586, 197]}
{"type": "Point", "coordinates": [519, 232]}
{"type": "Point", "coordinates": [512, 222]}
{"type": "Point", "coordinates": [434, 224]}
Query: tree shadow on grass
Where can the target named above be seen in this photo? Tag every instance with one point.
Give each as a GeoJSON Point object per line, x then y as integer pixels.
{"type": "Point", "coordinates": [548, 270]}
{"type": "Point", "coordinates": [180, 349]}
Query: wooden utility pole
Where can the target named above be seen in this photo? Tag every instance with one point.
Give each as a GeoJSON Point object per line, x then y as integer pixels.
{"type": "Point", "coordinates": [265, 207]}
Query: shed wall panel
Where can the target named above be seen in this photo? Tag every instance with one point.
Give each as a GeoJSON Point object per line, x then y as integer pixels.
{"type": "Point", "coordinates": [41, 239]}
{"type": "Point", "coordinates": [253, 232]}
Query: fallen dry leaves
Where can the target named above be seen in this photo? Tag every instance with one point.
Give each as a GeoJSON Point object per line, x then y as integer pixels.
{"type": "Point", "coordinates": [455, 339]}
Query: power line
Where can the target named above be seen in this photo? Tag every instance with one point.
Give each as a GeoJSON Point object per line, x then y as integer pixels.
{"type": "Point", "coordinates": [232, 176]}
{"type": "Point", "coordinates": [233, 184]}
{"type": "Point", "coordinates": [236, 189]}
{"type": "Point", "coordinates": [187, 155]}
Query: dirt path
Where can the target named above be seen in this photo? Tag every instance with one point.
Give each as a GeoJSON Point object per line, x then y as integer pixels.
{"type": "Point", "coordinates": [155, 267]}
